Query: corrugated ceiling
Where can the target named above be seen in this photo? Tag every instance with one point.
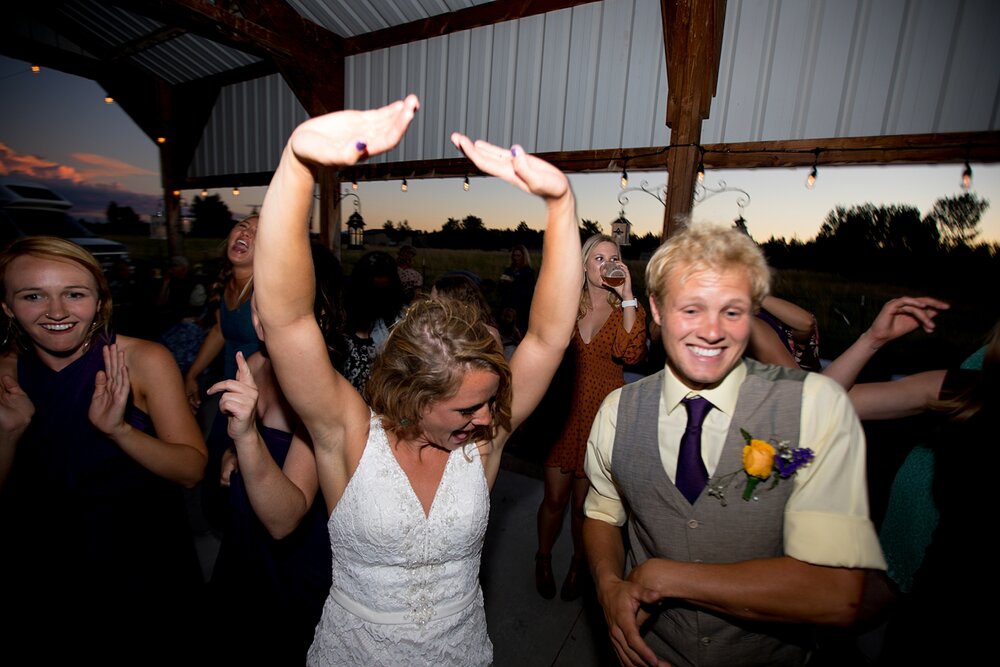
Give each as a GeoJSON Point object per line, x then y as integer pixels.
{"type": "Point", "coordinates": [593, 76]}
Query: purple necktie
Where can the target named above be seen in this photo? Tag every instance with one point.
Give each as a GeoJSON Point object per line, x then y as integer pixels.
{"type": "Point", "coordinates": [691, 474]}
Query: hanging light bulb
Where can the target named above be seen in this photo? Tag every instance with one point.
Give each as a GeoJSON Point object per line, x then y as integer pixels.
{"type": "Point", "coordinates": [108, 99]}
{"type": "Point", "coordinates": [465, 184]}
{"type": "Point", "coordinates": [624, 179]}
{"type": "Point", "coordinates": [161, 140]}
{"type": "Point", "coordinates": [811, 178]}
{"type": "Point", "coordinates": [35, 69]}
{"type": "Point", "coordinates": [204, 192]}
{"type": "Point", "coordinates": [354, 184]}
{"type": "Point", "coordinates": [967, 176]}
{"type": "Point", "coordinates": [403, 186]}
{"type": "Point", "coordinates": [701, 172]}
{"type": "Point", "coordinates": [177, 193]}
{"type": "Point", "coordinates": [236, 191]}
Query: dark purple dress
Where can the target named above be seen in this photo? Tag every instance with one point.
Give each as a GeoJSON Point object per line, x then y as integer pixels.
{"type": "Point", "coordinates": [270, 592]}
{"type": "Point", "coordinates": [91, 539]}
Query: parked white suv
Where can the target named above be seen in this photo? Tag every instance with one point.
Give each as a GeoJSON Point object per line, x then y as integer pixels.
{"type": "Point", "coordinates": [33, 210]}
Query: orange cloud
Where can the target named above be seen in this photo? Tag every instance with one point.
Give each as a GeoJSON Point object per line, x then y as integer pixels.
{"type": "Point", "coordinates": [12, 162]}
{"type": "Point", "coordinates": [98, 167]}
{"type": "Point", "coordinates": [103, 166]}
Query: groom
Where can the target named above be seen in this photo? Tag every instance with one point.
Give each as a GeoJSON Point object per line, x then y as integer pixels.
{"type": "Point", "coordinates": [731, 565]}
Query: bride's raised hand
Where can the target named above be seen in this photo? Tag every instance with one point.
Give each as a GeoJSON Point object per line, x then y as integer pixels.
{"type": "Point", "coordinates": [515, 166]}
{"type": "Point", "coordinates": [344, 137]}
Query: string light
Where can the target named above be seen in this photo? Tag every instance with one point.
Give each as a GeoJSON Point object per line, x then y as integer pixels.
{"type": "Point", "coordinates": [967, 176]}
{"type": "Point", "coordinates": [204, 193]}
{"type": "Point", "coordinates": [624, 180]}
{"type": "Point", "coordinates": [354, 184]}
{"type": "Point", "coordinates": [35, 69]}
{"type": "Point", "coordinates": [811, 178]}
{"type": "Point", "coordinates": [236, 191]}
{"type": "Point", "coordinates": [161, 140]}
{"type": "Point", "coordinates": [108, 99]}
{"type": "Point", "coordinates": [465, 184]}
{"type": "Point", "coordinates": [403, 186]}
{"type": "Point", "coordinates": [177, 193]}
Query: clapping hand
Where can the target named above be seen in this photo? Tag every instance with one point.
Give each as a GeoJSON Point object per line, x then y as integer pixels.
{"type": "Point", "coordinates": [16, 409]}
{"type": "Point", "coordinates": [111, 391]}
{"type": "Point", "coordinates": [239, 402]}
{"type": "Point", "coordinates": [344, 137]}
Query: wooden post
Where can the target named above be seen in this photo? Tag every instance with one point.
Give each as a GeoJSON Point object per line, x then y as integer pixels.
{"type": "Point", "coordinates": [330, 210]}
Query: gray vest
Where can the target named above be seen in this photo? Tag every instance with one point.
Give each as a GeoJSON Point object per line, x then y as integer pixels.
{"type": "Point", "coordinates": [663, 524]}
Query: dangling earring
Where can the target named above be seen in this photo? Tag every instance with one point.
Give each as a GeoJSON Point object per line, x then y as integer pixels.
{"type": "Point", "coordinates": [6, 334]}
{"type": "Point", "coordinates": [90, 335]}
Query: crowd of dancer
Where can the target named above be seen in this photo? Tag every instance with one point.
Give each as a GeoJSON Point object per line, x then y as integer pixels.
{"type": "Point", "coordinates": [361, 426]}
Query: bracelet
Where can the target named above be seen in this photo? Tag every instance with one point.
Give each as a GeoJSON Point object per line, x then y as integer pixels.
{"type": "Point", "coordinates": [633, 303]}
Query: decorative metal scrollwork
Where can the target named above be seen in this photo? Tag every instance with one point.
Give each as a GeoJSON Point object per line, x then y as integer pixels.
{"type": "Point", "coordinates": [659, 192]}
{"type": "Point", "coordinates": [703, 192]}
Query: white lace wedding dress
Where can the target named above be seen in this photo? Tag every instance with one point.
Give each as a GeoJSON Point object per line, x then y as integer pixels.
{"type": "Point", "coordinates": [405, 585]}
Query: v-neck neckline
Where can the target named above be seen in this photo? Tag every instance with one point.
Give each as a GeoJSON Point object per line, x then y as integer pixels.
{"type": "Point", "coordinates": [409, 484]}
{"type": "Point", "coordinates": [597, 332]}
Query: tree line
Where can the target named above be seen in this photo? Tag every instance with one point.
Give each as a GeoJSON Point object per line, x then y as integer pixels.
{"type": "Point", "coordinates": [937, 253]}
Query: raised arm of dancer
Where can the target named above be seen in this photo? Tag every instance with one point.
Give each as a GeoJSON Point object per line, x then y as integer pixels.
{"type": "Point", "coordinates": [209, 350]}
{"type": "Point", "coordinates": [283, 274]}
{"type": "Point", "coordinates": [797, 318]}
{"type": "Point", "coordinates": [766, 347]}
{"type": "Point", "coordinates": [280, 496]}
{"type": "Point", "coordinates": [906, 397]}
{"type": "Point", "coordinates": [898, 317]}
{"type": "Point", "coordinates": [553, 315]}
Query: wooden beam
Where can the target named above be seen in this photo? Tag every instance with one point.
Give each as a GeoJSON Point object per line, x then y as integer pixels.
{"type": "Point", "coordinates": [692, 30]}
{"type": "Point", "coordinates": [330, 210]}
{"type": "Point", "coordinates": [955, 148]}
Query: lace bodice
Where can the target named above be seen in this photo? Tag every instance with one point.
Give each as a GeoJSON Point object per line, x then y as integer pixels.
{"type": "Point", "coordinates": [405, 585]}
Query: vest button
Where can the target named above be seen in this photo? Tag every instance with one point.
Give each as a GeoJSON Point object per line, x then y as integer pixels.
{"type": "Point", "coordinates": [706, 640]}
{"type": "Point", "coordinates": [693, 523]}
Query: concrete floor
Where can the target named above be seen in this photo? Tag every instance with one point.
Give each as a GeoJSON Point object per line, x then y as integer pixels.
{"type": "Point", "coordinates": [526, 629]}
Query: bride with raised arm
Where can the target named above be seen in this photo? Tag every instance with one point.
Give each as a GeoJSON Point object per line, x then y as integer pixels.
{"type": "Point", "coordinates": [407, 481]}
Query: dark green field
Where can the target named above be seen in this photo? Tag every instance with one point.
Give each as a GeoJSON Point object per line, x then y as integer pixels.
{"type": "Point", "coordinates": [844, 308]}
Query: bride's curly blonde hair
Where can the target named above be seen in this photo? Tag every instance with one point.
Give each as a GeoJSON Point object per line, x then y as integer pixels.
{"type": "Point", "coordinates": [424, 360]}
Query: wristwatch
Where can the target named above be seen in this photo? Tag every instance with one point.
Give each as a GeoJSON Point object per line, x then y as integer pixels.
{"type": "Point", "coordinates": [634, 303]}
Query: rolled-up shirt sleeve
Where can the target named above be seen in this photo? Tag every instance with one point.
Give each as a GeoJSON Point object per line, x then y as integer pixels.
{"type": "Point", "coordinates": [826, 518]}
{"type": "Point", "coordinates": [603, 500]}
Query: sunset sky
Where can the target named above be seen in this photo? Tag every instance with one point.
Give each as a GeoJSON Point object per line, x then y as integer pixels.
{"type": "Point", "coordinates": [56, 129]}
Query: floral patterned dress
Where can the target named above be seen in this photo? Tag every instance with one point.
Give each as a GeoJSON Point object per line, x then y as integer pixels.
{"type": "Point", "coordinates": [597, 371]}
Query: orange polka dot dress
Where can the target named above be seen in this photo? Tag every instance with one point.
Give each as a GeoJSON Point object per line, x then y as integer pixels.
{"type": "Point", "coordinates": [598, 370]}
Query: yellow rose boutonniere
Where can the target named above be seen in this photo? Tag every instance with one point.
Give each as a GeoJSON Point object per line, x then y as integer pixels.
{"type": "Point", "coordinates": [763, 460]}
{"type": "Point", "coordinates": [758, 458]}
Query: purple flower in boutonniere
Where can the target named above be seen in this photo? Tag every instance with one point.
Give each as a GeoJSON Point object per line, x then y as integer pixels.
{"type": "Point", "coordinates": [763, 460]}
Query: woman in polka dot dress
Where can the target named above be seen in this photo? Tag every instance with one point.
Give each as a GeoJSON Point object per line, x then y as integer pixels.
{"type": "Point", "coordinates": [610, 333]}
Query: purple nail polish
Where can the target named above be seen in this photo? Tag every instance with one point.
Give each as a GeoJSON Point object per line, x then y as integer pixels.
{"type": "Point", "coordinates": [361, 146]}
{"type": "Point", "coordinates": [514, 151]}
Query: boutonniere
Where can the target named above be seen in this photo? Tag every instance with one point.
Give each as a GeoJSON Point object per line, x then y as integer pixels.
{"type": "Point", "coordinates": [763, 460]}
